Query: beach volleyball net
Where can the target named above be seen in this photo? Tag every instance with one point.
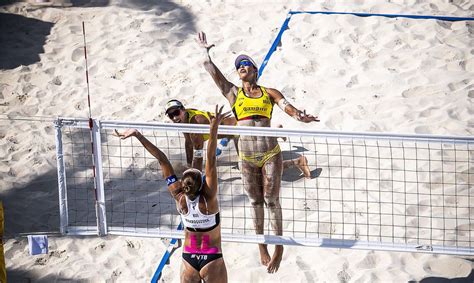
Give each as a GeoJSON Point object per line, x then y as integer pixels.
{"type": "Point", "coordinates": [366, 191]}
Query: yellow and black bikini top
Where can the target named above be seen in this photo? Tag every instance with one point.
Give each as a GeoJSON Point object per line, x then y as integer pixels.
{"type": "Point", "coordinates": [246, 107]}
{"type": "Point", "coordinates": [193, 112]}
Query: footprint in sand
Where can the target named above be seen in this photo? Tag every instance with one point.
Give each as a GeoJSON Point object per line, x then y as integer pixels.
{"type": "Point", "coordinates": [75, 29]}
{"type": "Point", "coordinates": [118, 75]}
{"type": "Point", "coordinates": [427, 112]}
{"type": "Point", "coordinates": [135, 24]}
{"type": "Point", "coordinates": [126, 109]}
{"type": "Point", "coordinates": [328, 38]}
{"type": "Point", "coordinates": [369, 261]}
{"type": "Point", "coordinates": [41, 261]}
{"type": "Point", "coordinates": [458, 85]}
{"type": "Point", "coordinates": [77, 54]}
{"type": "Point", "coordinates": [423, 130]}
{"type": "Point", "coordinates": [57, 81]}
{"type": "Point", "coordinates": [306, 269]}
{"type": "Point", "coordinates": [300, 263]}
{"type": "Point", "coordinates": [57, 253]}
{"type": "Point", "coordinates": [470, 94]}
{"type": "Point", "coordinates": [133, 244]}
{"type": "Point", "coordinates": [420, 91]}
{"type": "Point", "coordinates": [237, 46]}
{"type": "Point", "coordinates": [453, 114]}
{"type": "Point", "coordinates": [368, 64]}
{"type": "Point", "coordinates": [93, 70]}
{"type": "Point", "coordinates": [352, 82]}
{"type": "Point", "coordinates": [141, 87]}
{"type": "Point", "coordinates": [354, 37]}
{"type": "Point", "coordinates": [334, 121]}
{"type": "Point", "coordinates": [25, 69]}
{"type": "Point", "coordinates": [444, 24]}
{"type": "Point", "coordinates": [100, 246]}
{"type": "Point", "coordinates": [346, 53]}
{"type": "Point", "coordinates": [48, 130]}
{"type": "Point", "coordinates": [361, 112]}
{"type": "Point", "coordinates": [11, 172]}
{"type": "Point", "coordinates": [79, 106]}
{"type": "Point", "coordinates": [24, 78]}
{"type": "Point", "coordinates": [27, 88]}
{"type": "Point", "coordinates": [151, 102]}
{"type": "Point", "coordinates": [329, 5]}
{"type": "Point", "coordinates": [50, 71]}
{"type": "Point", "coordinates": [342, 275]}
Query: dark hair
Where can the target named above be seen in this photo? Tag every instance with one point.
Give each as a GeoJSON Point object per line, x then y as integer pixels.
{"type": "Point", "coordinates": [192, 182]}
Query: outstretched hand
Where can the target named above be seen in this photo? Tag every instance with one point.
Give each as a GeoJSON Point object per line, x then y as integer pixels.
{"type": "Point", "coordinates": [202, 41]}
{"type": "Point", "coordinates": [217, 118]}
{"type": "Point", "coordinates": [128, 133]}
{"type": "Point", "coordinates": [306, 118]}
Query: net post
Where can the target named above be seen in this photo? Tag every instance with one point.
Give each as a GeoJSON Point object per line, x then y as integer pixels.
{"type": "Point", "coordinates": [99, 179]}
{"type": "Point", "coordinates": [62, 187]}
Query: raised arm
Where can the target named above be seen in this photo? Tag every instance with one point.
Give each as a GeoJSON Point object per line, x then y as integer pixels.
{"type": "Point", "coordinates": [165, 164]}
{"type": "Point", "coordinates": [211, 167]}
{"type": "Point", "coordinates": [228, 89]}
{"type": "Point", "coordinates": [289, 109]}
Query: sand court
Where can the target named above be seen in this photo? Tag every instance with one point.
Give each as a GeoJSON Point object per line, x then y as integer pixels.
{"type": "Point", "coordinates": [358, 74]}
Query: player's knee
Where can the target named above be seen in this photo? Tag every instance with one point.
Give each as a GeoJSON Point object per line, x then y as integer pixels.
{"type": "Point", "coordinates": [256, 202]}
{"type": "Point", "coordinates": [273, 179]}
{"type": "Point", "coordinates": [271, 201]}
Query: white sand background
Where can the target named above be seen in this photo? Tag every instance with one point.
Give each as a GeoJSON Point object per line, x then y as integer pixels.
{"type": "Point", "coordinates": [358, 74]}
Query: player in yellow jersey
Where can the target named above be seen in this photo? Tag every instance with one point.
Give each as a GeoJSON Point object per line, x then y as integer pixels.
{"type": "Point", "coordinates": [261, 158]}
{"type": "Point", "coordinates": [194, 143]}
{"type": "Point", "coordinates": [176, 111]}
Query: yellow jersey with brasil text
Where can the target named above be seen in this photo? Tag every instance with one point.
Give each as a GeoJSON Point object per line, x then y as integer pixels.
{"type": "Point", "coordinates": [193, 112]}
{"type": "Point", "coordinates": [248, 107]}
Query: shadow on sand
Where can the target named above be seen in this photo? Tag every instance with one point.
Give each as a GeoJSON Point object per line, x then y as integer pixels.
{"type": "Point", "coordinates": [27, 276]}
{"type": "Point", "coordinates": [23, 39]}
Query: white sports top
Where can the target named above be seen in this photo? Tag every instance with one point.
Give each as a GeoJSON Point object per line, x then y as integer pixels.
{"type": "Point", "coordinates": [194, 219]}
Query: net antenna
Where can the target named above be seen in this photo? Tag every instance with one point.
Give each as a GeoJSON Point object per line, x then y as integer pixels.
{"type": "Point", "coordinates": [99, 205]}
{"type": "Point", "coordinates": [87, 75]}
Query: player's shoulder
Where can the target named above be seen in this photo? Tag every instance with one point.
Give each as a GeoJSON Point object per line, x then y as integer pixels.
{"type": "Point", "coordinates": [200, 118]}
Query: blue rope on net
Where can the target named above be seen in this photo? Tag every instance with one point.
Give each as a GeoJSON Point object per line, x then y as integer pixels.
{"type": "Point", "coordinates": [425, 17]}
{"type": "Point", "coordinates": [284, 26]}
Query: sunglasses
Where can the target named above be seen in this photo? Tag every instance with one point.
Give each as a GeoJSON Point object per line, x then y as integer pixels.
{"type": "Point", "coordinates": [245, 63]}
{"type": "Point", "coordinates": [174, 113]}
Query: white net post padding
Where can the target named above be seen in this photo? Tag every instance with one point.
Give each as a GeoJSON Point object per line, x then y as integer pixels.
{"type": "Point", "coordinates": [62, 187]}
{"type": "Point", "coordinates": [91, 192]}
{"type": "Point", "coordinates": [99, 179]}
{"type": "Point", "coordinates": [367, 191]}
